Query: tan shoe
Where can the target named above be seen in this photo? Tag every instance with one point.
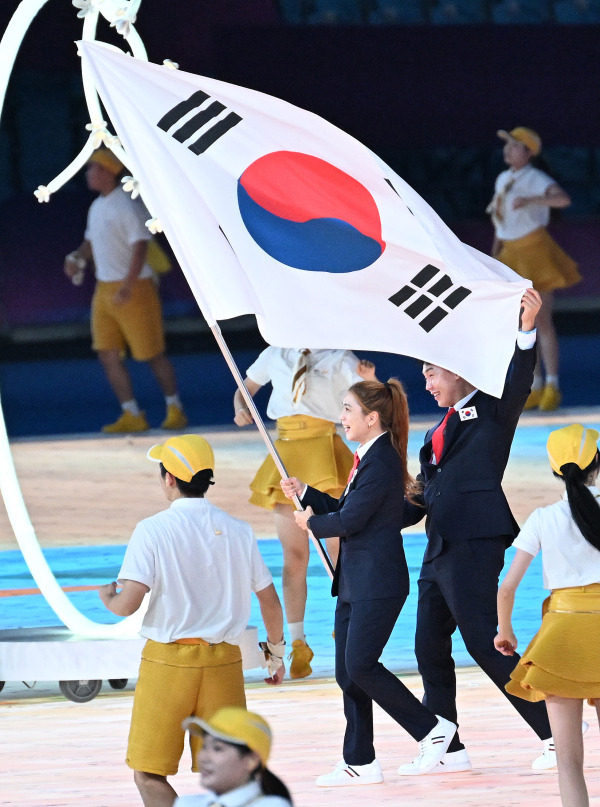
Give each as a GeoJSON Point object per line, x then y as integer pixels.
{"type": "Point", "coordinates": [535, 396]}
{"type": "Point", "coordinates": [301, 657]}
{"type": "Point", "coordinates": [127, 423]}
{"type": "Point", "coordinates": [551, 399]}
{"type": "Point", "coordinates": [175, 418]}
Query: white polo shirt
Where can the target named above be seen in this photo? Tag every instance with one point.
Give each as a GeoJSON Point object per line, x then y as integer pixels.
{"type": "Point", "coordinates": [329, 375]}
{"type": "Point", "coordinates": [527, 181]}
{"type": "Point", "coordinates": [115, 223]}
{"type": "Point", "coordinates": [567, 558]}
{"type": "Point", "coordinates": [201, 565]}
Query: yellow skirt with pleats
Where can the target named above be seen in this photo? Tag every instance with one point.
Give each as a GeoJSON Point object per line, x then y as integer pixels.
{"type": "Point", "coordinates": [312, 451]}
{"type": "Point", "coordinates": [538, 257]}
{"type": "Point", "coordinates": [563, 658]}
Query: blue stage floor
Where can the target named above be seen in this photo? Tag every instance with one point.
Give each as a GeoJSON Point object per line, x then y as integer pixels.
{"type": "Point", "coordinates": [100, 564]}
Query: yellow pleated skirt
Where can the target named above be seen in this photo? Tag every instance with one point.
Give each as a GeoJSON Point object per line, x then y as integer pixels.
{"type": "Point", "coordinates": [312, 451]}
{"type": "Point", "coordinates": [563, 658]}
{"type": "Point", "coordinates": [538, 257]}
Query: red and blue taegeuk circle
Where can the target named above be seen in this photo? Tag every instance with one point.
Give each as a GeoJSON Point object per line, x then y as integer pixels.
{"type": "Point", "coordinates": [308, 214]}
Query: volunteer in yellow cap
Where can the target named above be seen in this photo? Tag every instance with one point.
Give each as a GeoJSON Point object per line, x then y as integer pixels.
{"type": "Point", "coordinates": [520, 211]}
{"type": "Point", "coordinates": [233, 761]}
{"type": "Point", "coordinates": [126, 309]}
{"type": "Point", "coordinates": [199, 566]}
{"type": "Point", "coordinates": [561, 664]}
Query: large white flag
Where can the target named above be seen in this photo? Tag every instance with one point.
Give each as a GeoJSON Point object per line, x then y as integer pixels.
{"type": "Point", "coordinates": [271, 210]}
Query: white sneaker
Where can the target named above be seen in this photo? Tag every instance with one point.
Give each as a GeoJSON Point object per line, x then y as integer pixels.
{"type": "Point", "coordinates": [432, 748]}
{"type": "Point", "coordinates": [344, 774]}
{"type": "Point", "coordinates": [452, 762]}
{"type": "Point", "coordinates": [547, 760]}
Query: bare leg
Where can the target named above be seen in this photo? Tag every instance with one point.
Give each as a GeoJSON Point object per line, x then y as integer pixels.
{"type": "Point", "coordinates": [164, 373]}
{"type": "Point", "coordinates": [547, 339]}
{"type": "Point", "coordinates": [154, 790]}
{"type": "Point", "coordinates": [565, 721]}
{"type": "Point", "coordinates": [295, 562]}
{"type": "Point", "coordinates": [117, 374]}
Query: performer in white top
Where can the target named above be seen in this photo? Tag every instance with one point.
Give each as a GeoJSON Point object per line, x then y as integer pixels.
{"type": "Point", "coordinates": [233, 761]}
{"type": "Point", "coordinates": [308, 388]}
{"type": "Point", "coordinates": [520, 212]}
{"type": "Point", "coordinates": [561, 665]}
{"type": "Point", "coordinates": [200, 566]}
{"type": "Point", "coordinates": [126, 309]}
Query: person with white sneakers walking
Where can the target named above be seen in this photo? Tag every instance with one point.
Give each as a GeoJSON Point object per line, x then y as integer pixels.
{"type": "Point", "coordinates": [371, 580]}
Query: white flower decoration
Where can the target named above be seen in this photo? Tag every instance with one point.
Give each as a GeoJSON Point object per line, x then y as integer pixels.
{"type": "Point", "coordinates": [131, 185]}
{"type": "Point", "coordinates": [101, 135]}
{"type": "Point", "coordinates": [170, 64]}
{"type": "Point", "coordinates": [154, 225]}
{"type": "Point", "coordinates": [123, 22]}
{"type": "Point", "coordinates": [85, 7]}
{"type": "Point", "coordinates": [42, 194]}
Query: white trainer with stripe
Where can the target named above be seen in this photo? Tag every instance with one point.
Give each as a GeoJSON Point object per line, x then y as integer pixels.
{"type": "Point", "coordinates": [351, 775]}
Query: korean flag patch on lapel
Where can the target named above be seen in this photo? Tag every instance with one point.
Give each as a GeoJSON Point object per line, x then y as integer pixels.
{"type": "Point", "coordinates": [468, 413]}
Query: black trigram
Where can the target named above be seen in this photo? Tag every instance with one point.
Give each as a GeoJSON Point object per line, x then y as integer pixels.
{"type": "Point", "coordinates": [423, 301]}
{"type": "Point", "coordinates": [198, 121]}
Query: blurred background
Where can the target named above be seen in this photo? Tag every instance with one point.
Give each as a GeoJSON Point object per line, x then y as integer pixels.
{"type": "Point", "coordinates": [424, 83]}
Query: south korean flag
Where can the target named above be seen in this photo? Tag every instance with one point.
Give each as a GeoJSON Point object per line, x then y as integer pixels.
{"type": "Point", "coordinates": [468, 413]}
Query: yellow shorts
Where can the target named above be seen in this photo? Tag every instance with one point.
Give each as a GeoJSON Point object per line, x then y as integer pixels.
{"type": "Point", "coordinates": [177, 681]}
{"type": "Point", "coordinates": [136, 324]}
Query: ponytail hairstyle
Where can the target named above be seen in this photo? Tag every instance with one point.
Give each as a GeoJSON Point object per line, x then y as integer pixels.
{"type": "Point", "coordinates": [582, 502]}
{"type": "Point", "coordinates": [574, 458]}
{"type": "Point", "coordinates": [388, 399]}
{"type": "Point", "coordinates": [270, 784]}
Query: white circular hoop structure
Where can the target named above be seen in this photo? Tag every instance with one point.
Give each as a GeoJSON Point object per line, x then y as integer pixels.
{"type": "Point", "coordinates": [121, 14]}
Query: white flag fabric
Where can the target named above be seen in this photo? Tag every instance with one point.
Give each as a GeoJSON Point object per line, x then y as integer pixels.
{"type": "Point", "coordinates": [272, 210]}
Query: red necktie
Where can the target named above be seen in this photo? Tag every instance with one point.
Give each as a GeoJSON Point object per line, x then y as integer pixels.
{"type": "Point", "coordinates": [354, 467]}
{"type": "Point", "coordinates": [437, 438]}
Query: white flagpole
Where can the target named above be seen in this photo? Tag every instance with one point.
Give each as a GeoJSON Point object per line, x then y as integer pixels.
{"type": "Point", "coordinates": [265, 435]}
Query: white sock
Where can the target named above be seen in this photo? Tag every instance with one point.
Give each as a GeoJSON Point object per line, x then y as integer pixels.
{"type": "Point", "coordinates": [552, 381]}
{"type": "Point", "coordinates": [173, 400]}
{"type": "Point", "coordinates": [131, 406]}
{"type": "Point", "coordinates": [296, 630]}
{"type": "Point", "coordinates": [538, 382]}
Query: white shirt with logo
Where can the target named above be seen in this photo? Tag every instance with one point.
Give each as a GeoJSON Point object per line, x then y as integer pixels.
{"type": "Point", "coordinates": [201, 566]}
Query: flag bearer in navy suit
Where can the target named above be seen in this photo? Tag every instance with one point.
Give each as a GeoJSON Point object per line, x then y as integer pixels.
{"type": "Point", "coordinates": [371, 580]}
{"type": "Point", "coordinates": [469, 526]}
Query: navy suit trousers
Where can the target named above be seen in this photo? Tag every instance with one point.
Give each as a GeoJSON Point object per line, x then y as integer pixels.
{"type": "Point", "coordinates": [458, 588]}
{"type": "Point", "coordinates": [362, 630]}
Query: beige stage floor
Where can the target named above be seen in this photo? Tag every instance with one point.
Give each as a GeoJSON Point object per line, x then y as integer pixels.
{"type": "Point", "coordinates": [60, 754]}
{"type": "Point", "coordinates": [92, 490]}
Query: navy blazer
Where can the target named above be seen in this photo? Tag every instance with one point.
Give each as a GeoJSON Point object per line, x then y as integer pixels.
{"type": "Point", "coordinates": [463, 492]}
{"type": "Point", "coordinates": [368, 520]}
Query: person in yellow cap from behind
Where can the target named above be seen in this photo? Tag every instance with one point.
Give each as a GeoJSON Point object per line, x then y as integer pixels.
{"type": "Point", "coordinates": [520, 210]}
{"type": "Point", "coordinates": [233, 751]}
{"type": "Point", "coordinates": [126, 309]}
{"type": "Point", "coordinates": [561, 665]}
{"type": "Point", "coordinates": [200, 566]}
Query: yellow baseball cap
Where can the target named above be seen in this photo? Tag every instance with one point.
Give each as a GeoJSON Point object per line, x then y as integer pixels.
{"type": "Point", "coordinates": [233, 724]}
{"type": "Point", "coordinates": [184, 455]}
{"type": "Point", "coordinates": [525, 136]}
{"type": "Point", "coordinates": [573, 443]}
{"type": "Point", "coordinates": [107, 159]}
